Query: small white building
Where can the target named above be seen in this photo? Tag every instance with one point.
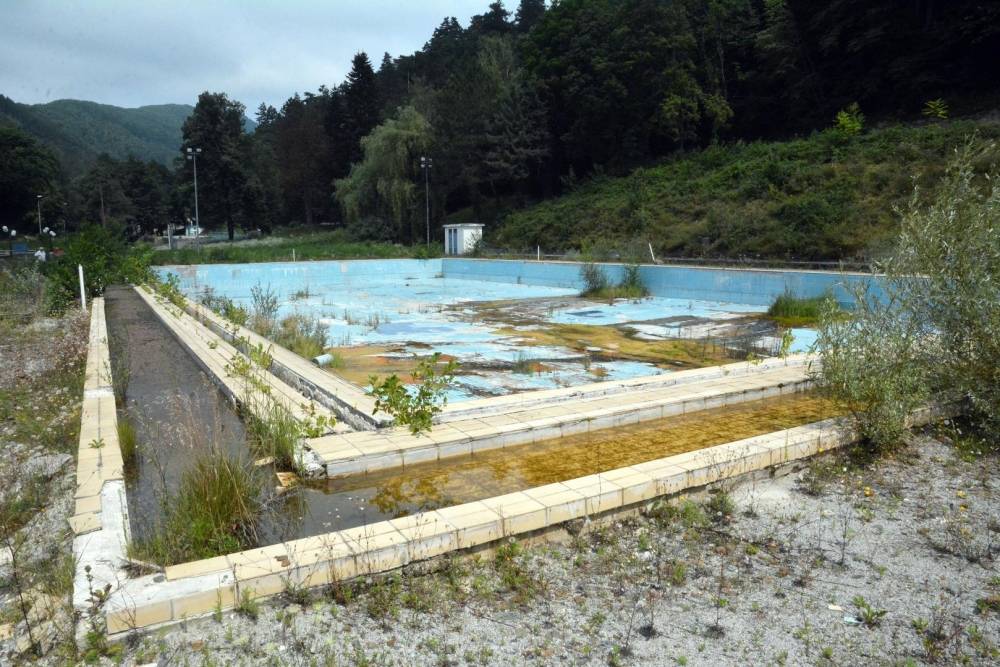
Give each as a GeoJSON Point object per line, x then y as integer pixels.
{"type": "Point", "coordinates": [460, 239]}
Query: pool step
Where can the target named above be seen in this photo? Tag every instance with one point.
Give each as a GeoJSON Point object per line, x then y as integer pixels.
{"type": "Point", "coordinates": [365, 452]}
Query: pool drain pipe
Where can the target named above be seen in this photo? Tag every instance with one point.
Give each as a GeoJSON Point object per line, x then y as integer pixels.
{"type": "Point", "coordinates": [323, 360]}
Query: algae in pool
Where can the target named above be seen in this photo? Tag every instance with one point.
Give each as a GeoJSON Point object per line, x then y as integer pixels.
{"type": "Point", "coordinates": [349, 502]}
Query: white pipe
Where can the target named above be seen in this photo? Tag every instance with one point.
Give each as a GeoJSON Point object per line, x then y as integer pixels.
{"type": "Point", "coordinates": [539, 253]}
{"type": "Point", "coordinates": [293, 254]}
{"type": "Point", "coordinates": [83, 293]}
{"type": "Point", "coordinates": [651, 255]}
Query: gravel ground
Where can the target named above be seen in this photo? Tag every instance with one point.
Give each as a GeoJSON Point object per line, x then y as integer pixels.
{"type": "Point", "coordinates": [892, 563]}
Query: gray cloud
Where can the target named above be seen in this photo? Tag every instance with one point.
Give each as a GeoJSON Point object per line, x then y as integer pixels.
{"type": "Point", "coordinates": [156, 51]}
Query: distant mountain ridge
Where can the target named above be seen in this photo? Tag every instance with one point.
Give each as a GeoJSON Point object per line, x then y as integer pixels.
{"type": "Point", "coordinates": [78, 131]}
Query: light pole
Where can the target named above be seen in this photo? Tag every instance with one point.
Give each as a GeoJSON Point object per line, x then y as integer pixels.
{"type": "Point", "coordinates": [192, 154]}
{"type": "Point", "coordinates": [426, 164]}
{"type": "Point", "coordinates": [11, 233]}
{"type": "Point", "coordinates": [38, 200]}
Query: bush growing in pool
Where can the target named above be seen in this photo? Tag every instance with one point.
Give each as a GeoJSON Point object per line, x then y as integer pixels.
{"type": "Point", "coordinates": [415, 409]}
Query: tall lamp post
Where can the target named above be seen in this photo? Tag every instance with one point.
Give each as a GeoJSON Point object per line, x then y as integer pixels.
{"type": "Point", "coordinates": [38, 200]}
{"type": "Point", "coordinates": [192, 154]}
{"type": "Point", "coordinates": [11, 233]}
{"type": "Point", "coordinates": [426, 164]}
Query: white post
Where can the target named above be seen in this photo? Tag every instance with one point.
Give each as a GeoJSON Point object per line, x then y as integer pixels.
{"type": "Point", "coordinates": [651, 255]}
{"type": "Point", "coordinates": [539, 253]}
{"type": "Point", "coordinates": [293, 254]}
{"type": "Point", "coordinates": [83, 292]}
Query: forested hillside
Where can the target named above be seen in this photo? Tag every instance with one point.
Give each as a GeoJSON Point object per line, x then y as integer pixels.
{"type": "Point", "coordinates": [527, 103]}
{"type": "Point", "coordinates": [826, 197]}
{"type": "Point", "coordinates": [79, 131]}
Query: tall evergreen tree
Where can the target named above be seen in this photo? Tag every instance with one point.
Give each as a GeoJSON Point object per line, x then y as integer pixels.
{"type": "Point", "coordinates": [529, 12]}
{"type": "Point", "coordinates": [216, 127]}
{"type": "Point", "coordinates": [362, 106]}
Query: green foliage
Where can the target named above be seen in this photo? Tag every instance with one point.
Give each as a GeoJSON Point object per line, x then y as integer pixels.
{"type": "Point", "coordinates": [871, 366]}
{"type": "Point", "coordinates": [946, 267]}
{"type": "Point", "coordinates": [793, 311]}
{"type": "Point", "coordinates": [310, 246]}
{"type": "Point", "coordinates": [106, 259]}
{"type": "Point", "coordinates": [213, 512]}
{"type": "Point", "coordinates": [272, 430]}
{"type": "Point", "coordinates": [826, 196]}
{"type": "Point", "coordinates": [936, 109]}
{"type": "Point", "coordinates": [303, 334]}
{"type": "Point", "coordinates": [415, 409]}
{"type": "Point", "coordinates": [850, 121]}
{"type": "Point", "coordinates": [383, 183]}
{"type": "Point", "coordinates": [936, 329]}
{"type": "Point", "coordinates": [28, 169]}
{"type": "Point", "coordinates": [225, 307]}
{"type": "Point", "coordinates": [867, 614]}
{"type": "Point", "coordinates": [595, 280]}
{"type": "Point", "coordinates": [263, 309]}
{"type": "Point", "coordinates": [128, 442]}
{"type": "Point", "coordinates": [598, 286]}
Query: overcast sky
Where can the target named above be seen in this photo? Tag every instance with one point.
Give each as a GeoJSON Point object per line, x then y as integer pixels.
{"type": "Point", "coordinates": [168, 51]}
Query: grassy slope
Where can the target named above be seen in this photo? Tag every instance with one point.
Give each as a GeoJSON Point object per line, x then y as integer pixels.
{"type": "Point", "coordinates": [823, 197]}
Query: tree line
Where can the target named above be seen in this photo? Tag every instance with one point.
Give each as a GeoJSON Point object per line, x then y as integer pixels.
{"type": "Point", "coordinates": [517, 106]}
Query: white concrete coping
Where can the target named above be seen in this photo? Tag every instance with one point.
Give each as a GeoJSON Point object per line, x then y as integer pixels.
{"type": "Point", "coordinates": [366, 452]}
{"type": "Point", "coordinates": [100, 521]}
{"type": "Point", "coordinates": [199, 588]}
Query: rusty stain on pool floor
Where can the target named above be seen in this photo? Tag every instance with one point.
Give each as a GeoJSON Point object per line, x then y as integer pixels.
{"type": "Point", "coordinates": [345, 503]}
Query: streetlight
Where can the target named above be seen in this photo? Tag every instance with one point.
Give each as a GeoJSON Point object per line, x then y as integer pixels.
{"type": "Point", "coordinates": [38, 200]}
{"type": "Point", "coordinates": [192, 154]}
{"type": "Point", "coordinates": [11, 233]}
{"type": "Point", "coordinates": [426, 164]}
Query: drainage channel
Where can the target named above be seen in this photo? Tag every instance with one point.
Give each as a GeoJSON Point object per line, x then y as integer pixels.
{"type": "Point", "coordinates": [176, 411]}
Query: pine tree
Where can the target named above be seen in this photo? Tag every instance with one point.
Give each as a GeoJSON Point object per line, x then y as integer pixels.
{"type": "Point", "coordinates": [362, 107]}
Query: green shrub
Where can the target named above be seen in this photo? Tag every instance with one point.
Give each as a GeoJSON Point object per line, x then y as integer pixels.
{"type": "Point", "coordinates": [595, 280]}
{"type": "Point", "coordinates": [106, 259]}
{"type": "Point", "coordinates": [850, 121]}
{"type": "Point", "coordinates": [415, 409]}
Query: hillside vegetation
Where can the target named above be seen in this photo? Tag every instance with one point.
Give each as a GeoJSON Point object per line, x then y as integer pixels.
{"type": "Point", "coordinates": [828, 196]}
{"type": "Point", "coordinates": [79, 131]}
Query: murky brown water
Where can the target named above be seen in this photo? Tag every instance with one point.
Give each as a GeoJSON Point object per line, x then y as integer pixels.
{"type": "Point", "coordinates": [349, 502]}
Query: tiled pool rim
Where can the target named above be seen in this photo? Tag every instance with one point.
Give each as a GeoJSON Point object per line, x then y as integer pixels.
{"type": "Point", "coordinates": [199, 588]}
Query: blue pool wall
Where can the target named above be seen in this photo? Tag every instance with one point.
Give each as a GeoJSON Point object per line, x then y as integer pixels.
{"type": "Point", "coordinates": [757, 287]}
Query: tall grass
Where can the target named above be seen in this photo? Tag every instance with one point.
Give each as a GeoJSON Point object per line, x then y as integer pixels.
{"type": "Point", "coordinates": [214, 511]}
{"type": "Point", "coordinates": [597, 285]}
{"type": "Point", "coordinates": [272, 430]}
{"type": "Point", "coordinates": [303, 334]}
{"type": "Point", "coordinates": [793, 311]}
{"type": "Point", "coordinates": [128, 442]}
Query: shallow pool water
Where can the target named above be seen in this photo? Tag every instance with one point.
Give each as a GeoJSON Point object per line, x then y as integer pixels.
{"type": "Point", "coordinates": [407, 308]}
{"type": "Point", "coordinates": [354, 501]}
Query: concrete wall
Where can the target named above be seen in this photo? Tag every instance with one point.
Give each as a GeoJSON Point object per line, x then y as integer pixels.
{"type": "Point", "coordinates": [749, 286]}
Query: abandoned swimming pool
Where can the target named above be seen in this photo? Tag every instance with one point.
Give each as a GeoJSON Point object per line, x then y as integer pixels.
{"type": "Point", "coordinates": [516, 326]}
